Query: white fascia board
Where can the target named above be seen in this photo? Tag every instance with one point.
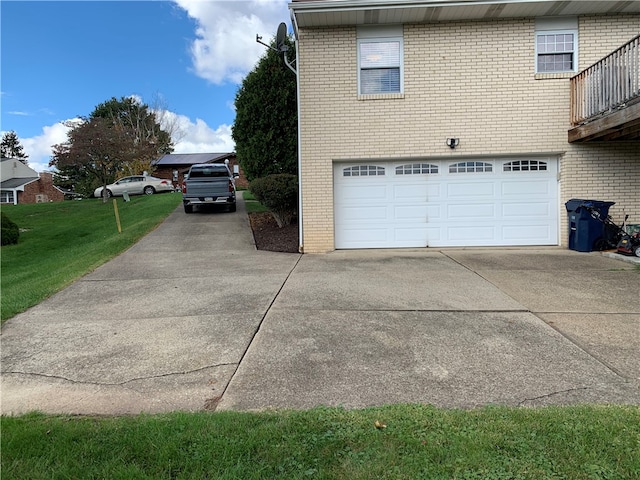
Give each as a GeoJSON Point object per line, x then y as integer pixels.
{"type": "Point", "coordinates": [332, 5]}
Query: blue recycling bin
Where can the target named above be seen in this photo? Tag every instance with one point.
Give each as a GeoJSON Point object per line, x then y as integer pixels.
{"type": "Point", "coordinates": [585, 231]}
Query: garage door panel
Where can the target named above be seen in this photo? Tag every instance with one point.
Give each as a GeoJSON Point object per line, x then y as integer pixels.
{"type": "Point", "coordinates": [520, 188]}
{"type": "Point", "coordinates": [411, 236]}
{"type": "Point", "coordinates": [351, 237]}
{"type": "Point", "coordinates": [466, 232]}
{"type": "Point", "coordinates": [366, 192]}
{"type": "Point", "coordinates": [473, 188]}
{"type": "Point", "coordinates": [515, 234]}
{"type": "Point", "coordinates": [529, 209]}
{"type": "Point", "coordinates": [411, 192]}
{"type": "Point", "coordinates": [410, 212]}
{"type": "Point", "coordinates": [365, 213]}
{"type": "Point", "coordinates": [435, 212]}
{"type": "Point", "coordinates": [471, 211]}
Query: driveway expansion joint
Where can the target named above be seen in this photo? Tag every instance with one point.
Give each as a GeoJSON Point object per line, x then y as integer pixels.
{"type": "Point", "coordinates": [213, 405]}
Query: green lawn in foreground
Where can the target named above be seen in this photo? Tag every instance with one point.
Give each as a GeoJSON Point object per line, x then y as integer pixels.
{"type": "Point", "coordinates": [419, 442]}
{"type": "Point", "coordinates": [60, 242]}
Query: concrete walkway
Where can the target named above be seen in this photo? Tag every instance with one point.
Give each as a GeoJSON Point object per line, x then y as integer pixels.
{"type": "Point", "coordinates": [193, 318]}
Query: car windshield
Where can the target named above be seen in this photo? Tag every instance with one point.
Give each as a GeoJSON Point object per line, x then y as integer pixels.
{"type": "Point", "coordinates": [208, 172]}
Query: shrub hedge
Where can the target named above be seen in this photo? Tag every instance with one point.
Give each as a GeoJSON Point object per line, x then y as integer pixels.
{"type": "Point", "coordinates": [279, 193]}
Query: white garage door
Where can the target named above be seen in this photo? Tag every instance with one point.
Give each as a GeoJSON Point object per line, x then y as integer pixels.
{"type": "Point", "coordinates": [446, 203]}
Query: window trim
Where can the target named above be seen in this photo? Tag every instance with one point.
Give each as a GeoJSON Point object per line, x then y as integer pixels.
{"type": "Point", "coordinates": [381, 39]}
{"type": "Point", "coordinates": [574, 53]}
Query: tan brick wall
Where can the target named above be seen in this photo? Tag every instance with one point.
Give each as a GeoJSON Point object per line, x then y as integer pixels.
{"type": "Point", "coordinates": [471, 80]}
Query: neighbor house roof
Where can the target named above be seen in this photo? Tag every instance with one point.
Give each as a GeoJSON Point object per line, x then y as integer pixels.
{"type": "Point", "coordinates": [186, 159]}
{"type": "Point", "coordinates": [16, 182]}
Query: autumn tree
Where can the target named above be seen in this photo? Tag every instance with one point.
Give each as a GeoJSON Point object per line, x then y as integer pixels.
{"type": "Point", "coordinates": [95, 148]}
{"type": "Point", "coordinates": [141, 129]}
{"type": "Point", "coordinates": [119, 138]}
{"type": "Point", "coordinates": [265, 130]}
{"type": "Point", "coordinates": [10, 147]}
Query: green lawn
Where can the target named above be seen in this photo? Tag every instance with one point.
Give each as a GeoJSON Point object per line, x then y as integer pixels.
{"type": "Point", "coordinates": [419, 442]}
{"type": "Point", "coordinates": [60, 242]}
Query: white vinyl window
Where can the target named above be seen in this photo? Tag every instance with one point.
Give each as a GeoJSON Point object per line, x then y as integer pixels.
{"type": "Point", "coordinates": [6, 196]}
{"type": "Point", "coordinates": [380, 60]}
{"type": "Point", "coordinates": [555, 52]}
{"type": "Point", "coordinates": [556, 45]}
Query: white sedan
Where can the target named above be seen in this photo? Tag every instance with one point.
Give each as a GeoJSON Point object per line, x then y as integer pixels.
{"type": "Point", "coordinates": [136, 185]}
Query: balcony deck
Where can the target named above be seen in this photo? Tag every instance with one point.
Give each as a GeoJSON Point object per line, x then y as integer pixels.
{"type": "Point", "coordinates": [605, 98]}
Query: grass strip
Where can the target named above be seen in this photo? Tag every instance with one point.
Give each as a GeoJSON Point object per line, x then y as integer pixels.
{"type": "Point", "coordinates": [60, 242]}
{"type": "Point", "coordinates": [417, 442]}
{"type": "Point", "coordinates": [251, 204]}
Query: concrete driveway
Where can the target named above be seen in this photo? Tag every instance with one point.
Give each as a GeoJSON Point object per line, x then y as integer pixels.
{"type": "Point", "coordinates": [193, 318]}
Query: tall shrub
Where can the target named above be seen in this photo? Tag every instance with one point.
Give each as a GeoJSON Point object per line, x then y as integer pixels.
{"type": "Point", "coordinates": [10, 231]}
{"type": "Point", "coordinates": [279, 193]}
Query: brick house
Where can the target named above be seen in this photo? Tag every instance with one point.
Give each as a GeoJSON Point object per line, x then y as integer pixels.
{"type": "Point", "coordinates": [21, 184]}
{"type": "Point", "coordinates": [174, 166]}
{"type": "Point", "coordinates": [463, 123]}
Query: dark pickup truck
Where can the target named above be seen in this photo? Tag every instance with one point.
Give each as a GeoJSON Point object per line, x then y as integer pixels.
{"type": "Point", "coordinates": [209, 184]}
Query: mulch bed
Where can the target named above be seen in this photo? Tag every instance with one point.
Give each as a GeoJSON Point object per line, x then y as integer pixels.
{"type": "Point", "coordinates": [268, 236]}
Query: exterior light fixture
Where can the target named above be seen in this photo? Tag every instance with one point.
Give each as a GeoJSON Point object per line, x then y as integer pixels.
{"type": "Point", "coordinates": [453, 142]}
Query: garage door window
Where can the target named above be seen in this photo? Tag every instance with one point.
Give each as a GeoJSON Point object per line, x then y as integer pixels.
{"type": "Point", "coordinates": [525, 166]}
{"type": "Point", "coordinates": [416, 169]}
{"type": "Point", "coordinates": [362, 171]}
{"type": "Point", "coordinates": [470, 167]}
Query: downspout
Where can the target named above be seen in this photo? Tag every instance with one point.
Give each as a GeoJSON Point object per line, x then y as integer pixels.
{"type": "Point", "coordinates": [300, 223]}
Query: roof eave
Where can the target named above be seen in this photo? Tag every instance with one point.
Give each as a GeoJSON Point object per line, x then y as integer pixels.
{"type": "Point", "coordinates": [310, 13]}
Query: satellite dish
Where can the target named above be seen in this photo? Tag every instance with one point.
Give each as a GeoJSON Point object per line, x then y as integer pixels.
{"type": "Point", "coordinates": [280, 37]}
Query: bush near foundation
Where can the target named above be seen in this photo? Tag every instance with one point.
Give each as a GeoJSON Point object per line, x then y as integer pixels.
{"type": "Point", "coordinates": [10, 231]}
{"type": "Point", "coordinates": [279, 193]}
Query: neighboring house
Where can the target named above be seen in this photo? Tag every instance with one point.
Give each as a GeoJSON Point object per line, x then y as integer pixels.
{"type": "Point", "coordinates": [21, 184]}
{"type": "Point", "coordinates": [457, 123]}
{"type": "Point", "coordinates": [174, 166]}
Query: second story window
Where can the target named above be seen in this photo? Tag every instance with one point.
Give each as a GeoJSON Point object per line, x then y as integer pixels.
{"type": "Point", "coordinates": [556, 45]}
{"type": "Point", "coordinates": [380, 60]}
{"type": "Point", "coordinates": [555, 52]}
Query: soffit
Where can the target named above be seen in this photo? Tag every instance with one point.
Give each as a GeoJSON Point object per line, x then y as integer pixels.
{"type": "Point", "coordinates": [325, 13]}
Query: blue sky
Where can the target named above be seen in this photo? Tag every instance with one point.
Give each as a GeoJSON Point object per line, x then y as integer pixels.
{"type": "Point", "coordinates": [186, 57]}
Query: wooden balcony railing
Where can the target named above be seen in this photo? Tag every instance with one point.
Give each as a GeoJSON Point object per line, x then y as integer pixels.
{"type": "Point", "coordinates": [607, 85]}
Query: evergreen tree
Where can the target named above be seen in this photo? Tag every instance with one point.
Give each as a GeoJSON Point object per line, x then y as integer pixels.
{"type": "Point", "coordinates": [11, 148]}
{"type": "Point", "coordinates": [265, 130]}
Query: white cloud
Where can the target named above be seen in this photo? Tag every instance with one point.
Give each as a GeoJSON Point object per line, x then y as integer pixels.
{"type": "Point", "coordinates": [198, 137]}
{"type": "Point", "coordinates": [225, 49]}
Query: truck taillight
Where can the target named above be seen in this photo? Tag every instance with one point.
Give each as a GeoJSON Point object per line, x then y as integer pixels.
{"type": "Point", "coordinates": [230, 186]}
{"type": "Point", "coordinates": [184, 187]}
